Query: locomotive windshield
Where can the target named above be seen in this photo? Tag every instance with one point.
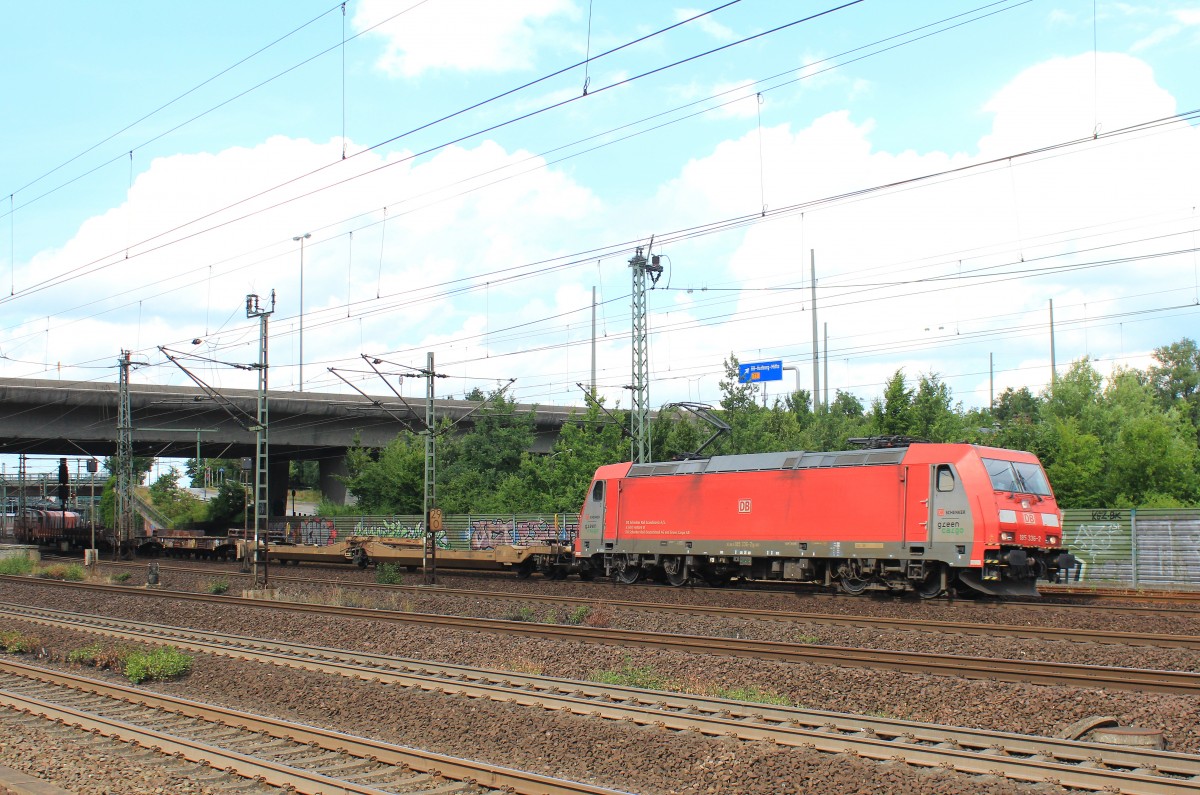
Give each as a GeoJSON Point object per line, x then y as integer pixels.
{"type": "Point", "coordinates": [1017, 476]}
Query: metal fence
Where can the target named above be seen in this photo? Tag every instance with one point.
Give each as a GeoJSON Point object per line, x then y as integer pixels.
{"type": "Point", "coordinates": [463, 531]}
{"type": "Point", "coordinates": [1136, 547]}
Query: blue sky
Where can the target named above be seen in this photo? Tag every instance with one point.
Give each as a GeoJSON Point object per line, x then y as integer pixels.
{"type": "Point", "coordinates": [107, 251]}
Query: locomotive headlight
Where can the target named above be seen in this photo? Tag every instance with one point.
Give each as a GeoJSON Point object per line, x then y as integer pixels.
{"type": "Point", "coordinates": [1006, 536]}
{"type": "Point", "coordinates": [1052, 540]}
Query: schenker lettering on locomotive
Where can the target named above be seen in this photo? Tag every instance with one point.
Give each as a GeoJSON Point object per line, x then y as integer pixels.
{"type": "Point", "coordinates": [960, 519]}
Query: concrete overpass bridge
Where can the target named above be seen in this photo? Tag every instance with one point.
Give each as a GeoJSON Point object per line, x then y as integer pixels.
{"type": "Point", "coordinates": [72, 418]}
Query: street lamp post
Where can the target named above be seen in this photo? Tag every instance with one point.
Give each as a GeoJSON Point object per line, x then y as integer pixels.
{"type": "Point", "coordinates": [301, 239]}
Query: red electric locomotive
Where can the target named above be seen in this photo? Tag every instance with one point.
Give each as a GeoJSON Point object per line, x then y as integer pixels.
{"type": "Point", "coordinates": [918, 516]}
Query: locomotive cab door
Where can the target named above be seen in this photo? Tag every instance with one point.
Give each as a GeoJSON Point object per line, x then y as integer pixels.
{"type": "Point", "coordinates": [591, 526]}
{"type": "Point", "coordinates": [917, 497]}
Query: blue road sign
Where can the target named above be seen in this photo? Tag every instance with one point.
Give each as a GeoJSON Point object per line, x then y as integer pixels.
{"type": "Point", "coordinates": [754, 372]}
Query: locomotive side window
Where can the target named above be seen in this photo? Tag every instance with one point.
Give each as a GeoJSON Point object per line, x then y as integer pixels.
{"type": "Point", "coordinates": [598, 491]}
{"type": "Point", "coordinates": [945, 478]}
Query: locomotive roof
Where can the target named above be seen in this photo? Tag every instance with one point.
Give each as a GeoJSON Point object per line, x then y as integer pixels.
{"type": "Point", "coordinates": [759, 462]}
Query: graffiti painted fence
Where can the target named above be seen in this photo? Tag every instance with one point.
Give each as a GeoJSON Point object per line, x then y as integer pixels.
{"type": "Point", "coordinates": [462, 531]}
{"type": "Point", "coordinates": [1138, 548]}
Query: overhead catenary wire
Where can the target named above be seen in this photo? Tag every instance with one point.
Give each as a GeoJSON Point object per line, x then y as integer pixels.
{"type": "Point", "coordinates": [705, 110]}
{"type": "Point", "coordinates": [99, 263]}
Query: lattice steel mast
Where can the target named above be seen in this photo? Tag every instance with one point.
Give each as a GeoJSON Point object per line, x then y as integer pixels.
{"type": "Point", "coordinates": [640, 414]}
{"type": "Point", "coordinates": [261, 508]}
{"type": "Point", "coordinates": [124, 495]}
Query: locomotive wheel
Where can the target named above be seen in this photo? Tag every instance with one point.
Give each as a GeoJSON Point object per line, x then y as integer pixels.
{"type": "Point", "coordinates": [676, 571]}
{"type": "Point", "coordinates": [852, 585]}
{"type": "Point", "coordinates": [931, 586]}
{"type": "Point", "coordinates": [628, 569]}
{"type": "Point", "coordinates": [587, 575]}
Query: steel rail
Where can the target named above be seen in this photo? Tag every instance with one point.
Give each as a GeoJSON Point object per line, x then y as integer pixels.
{"type": "Point", "coordinates": [1017, 757]}
{"type": "Point", "coordinates": [1006, 670]}
{"type": "Point", "coordinates": [401, 757]}
{"type": "Point", "coordinates": [1157, 640]}
{"type": "Point", "coordinates": [966, 604]}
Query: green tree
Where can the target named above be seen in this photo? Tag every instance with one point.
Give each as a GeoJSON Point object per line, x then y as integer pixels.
{"type": "Point", "coordinates": [891, 414]}
{"type": "Point", "coordinates": [932, 414]}
{"type": "Point", "coordinates": [391, 480]}
{"type": "Point", "coordinates": [1176, 378]}
{"type": "Point", "coordinates": [177, 505]}
{"type": "Point", "coordinates": [1074, 462]}
{"type": "Point", "coordinates": [228, 508]}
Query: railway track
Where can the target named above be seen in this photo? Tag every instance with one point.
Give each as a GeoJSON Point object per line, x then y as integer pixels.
{"type": "Point", "coordinates": [1006, 670]}
{"type": "Point", "coordinates": [283, 754]}
{"type": "Point", "coordinates": [1106, 600]}
{"type": "Point", "coordinates": [1069, 763]}
{"type": "Point", "coordinates": [918, 624]}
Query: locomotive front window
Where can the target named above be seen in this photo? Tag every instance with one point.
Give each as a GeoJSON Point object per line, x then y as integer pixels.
{"type": "Point", "coordinates": [1017, 477]}
{"type": "Point", "coordinates": [597, 491]}
{"type": "Point", "coordinates": [1033, 478]}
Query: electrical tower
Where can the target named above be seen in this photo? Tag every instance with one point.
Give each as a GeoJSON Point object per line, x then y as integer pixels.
{"type": "Point", "coordinates": [124, 495]}
{"type": "Point", "coordinates": [640, 415]}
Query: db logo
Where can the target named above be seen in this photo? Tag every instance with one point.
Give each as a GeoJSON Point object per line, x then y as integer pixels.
{"type": "Point", "coordinates": [1029, 518]}
{"type": "Point", "coordinates": [743, 506]}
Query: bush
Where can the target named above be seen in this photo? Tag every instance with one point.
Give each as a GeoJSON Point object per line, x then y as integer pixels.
{"type": "Point", "coordinates": [72, 572]}
{"type": "Point", "coordinates": [14, 642]}
{"type": "Point", "coordinates": [388, 574]}
{"type": "Point", "coordinates": [18, 565]}
{"type": "Point", "coordinates": [158, 664]}
{"type": "Point", "coordinates": [216, 586]}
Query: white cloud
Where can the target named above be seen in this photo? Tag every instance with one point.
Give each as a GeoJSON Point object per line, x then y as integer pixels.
{"type": "Point", "coordinates": [433, 235]}
{"type": "Point", "coordinates": [463, 35]}
{"type": "Point", "coordinates": [706, 23]}
{"type": "Point", "coordinates": [1187, 16]}
{"type": "Point", "coordinates": [1109, 193]}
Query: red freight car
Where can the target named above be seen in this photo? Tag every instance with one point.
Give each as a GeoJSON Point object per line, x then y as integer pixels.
{"type": "Point", "coordinates": [922, 516]}
{"type": "Point", "coordinates": [46, 525]}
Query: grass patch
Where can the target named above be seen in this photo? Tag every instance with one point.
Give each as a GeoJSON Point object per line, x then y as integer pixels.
{"type": "Point", "coordinates": [20, 564]}
{"type": "Point", "coordinates": [579, 615]}
{"type": "Point", "coordinates": [629, 675]}
{"type": "Point", "coordinates": [389, 574]}
{"type": "Point", "coordinates": [71, 572]}
{"type": "Point", "coordinates": [809, 639]}
{"type": "Point", "coordinates": [521, 613]}
{"type": "Point", "coordinates": [158, 664]}
{"type": "Point", "coordinates": [121, 577]}
{"type": "Point", "coordinates": [15, 642]}
{"type": "Point", "coordinates": [106, 656]}
{"type": "Point", "coordinates": [218, 587]}
{"type": "Point", "coordinates": [752, 693]}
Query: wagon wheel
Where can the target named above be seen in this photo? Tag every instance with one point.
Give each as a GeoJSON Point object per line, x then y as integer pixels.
{"type": "Point", "coordinates": [526, 568]}
{"type": "Point", "coordinates": [628, 569]}
{"type": "Point", "coordinates": [676, 571]}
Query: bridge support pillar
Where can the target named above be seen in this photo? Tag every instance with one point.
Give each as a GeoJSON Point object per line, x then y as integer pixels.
{"type": "Point", "coordinates": [334, 489]}
{"type": "Point", "coordinates": [277, 486]}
